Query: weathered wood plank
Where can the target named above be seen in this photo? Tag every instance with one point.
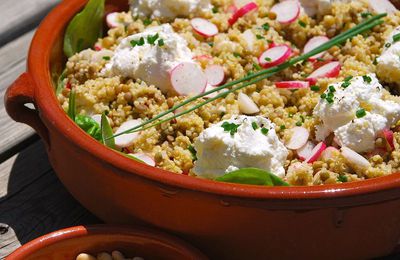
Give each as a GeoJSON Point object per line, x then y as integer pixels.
{"type": "Point", "coordinates": [33, 202]}
{"type": "Point", "coordinates": [21, 16]}
{"type": "Point", "coordinates": [12, 64]}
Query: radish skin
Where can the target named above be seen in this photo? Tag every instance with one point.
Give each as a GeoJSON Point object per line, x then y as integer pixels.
{"type": "Point", "coordinates": [305, 152]}
{"type": "Point", "coordinates": [329, 70]}
{"type": "Point", "coordinates": [204, 27]}
{"type": "Point", "coordinates": [314, 43]}
{"type": "Point", "coordinates": [296, 84]}
{"type": "Point", "coordinates": [215, 75]}
{"type": "Point", "coordinates": [299, 138]}
{"type": "Point", "coordinates": [188, 79]}
{"type": "Point", "coordinates": [286, 11]}
{"type": "Point", "coordinates": [316, 152]}
{"type": "Point", "coordinates": [242, 12]}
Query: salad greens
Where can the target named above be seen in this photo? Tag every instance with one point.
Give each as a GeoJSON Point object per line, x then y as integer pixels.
{"type": "Point", "coordinates": [85, 28]}
{"type": "Point", "coordinates": [88, 125]}
{"type": "Point", "coordinates": [60, 82]}
{"type": "Point", "coordinates": [252, 176]}
{"type": "Point", "coordinates": [72, 105]}
{"type": "Point", "coordinates": [107, 132]}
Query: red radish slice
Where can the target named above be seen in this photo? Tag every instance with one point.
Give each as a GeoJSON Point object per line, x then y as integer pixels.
{"type": "Point", "coordinates": [247, 105]}
{"type": "Point", "coordinates": [231, 9]}
{"type": "Point", "coordinates": [314, 43]}
{"type": "Point", "coordinates": [97, 47]}
{"type": "Point", "coordinates": [144, 158]}
{"type": "Point", "coordinates": [305, 151]}
{"type": "Point", "coordinates": [329, 70]}
{"type": "Point", "coordinates": [316, 152]}
{"type": "Point", "coordinates": [299, 138]}
{"type": "Point", "coordinates": [204, 27]}
{"type": "Point", "coordinates": [113, 20]}
{"type": "Point", "coordinates": [127, 140]}
{"type": "Point", "coordinates": [382, 6]}
{"type": "Point", "coordinates": [387, 135]}
{"type": "Point", "coordinates": [295, 84]}
{"type": "Point", "coordinates": [287, 11]}
{"type": "Point", "coordinates": [187, 79]}
{"type": "Point", "coordinates": [241, 3]}
{"type": "Point", "coordinates": [275, 56]}
{"type": "Point", "coordinates": [329, 152]}
{"type": "Point", "coordinates": [215, 75]}
{"type": "Point", "coordinates": [242, 12]}
{"type": "Point", "coordinates": [354, 158]}
{"type": "Point", "coordinates": [202, 57]}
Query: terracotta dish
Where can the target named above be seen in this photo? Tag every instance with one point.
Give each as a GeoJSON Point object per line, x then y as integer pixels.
{"type": "Point", "coordinates": [70, 242]}
{"type": "Point", "coordinates": [226, 221]}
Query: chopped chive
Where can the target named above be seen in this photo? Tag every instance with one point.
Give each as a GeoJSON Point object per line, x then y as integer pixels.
{"type": "Point", "coordinates": [160, 42]}
{"type": "Point", "coordinates": [214, 10]}
{"type": "Point", "coordinates": [230, 127]}
{"type": "Point", "coordinates": [268, 59]}
{"type": "Point", "coordinates": [283, 127]}
{"type": "Point", "coordinates": [345, 84]}
{"type": "Point", "coordinates": [342, 178]}
{"type": "Point", "coordinates": [193, 152]}
{"type": "Point", "coordinates": [290, 115]}
{"type": "Point", "coordinates": [210, 44]}
{"type": "Point", "coordinates": [264, 131]}
{"type": "Point", "coordinates": [348, 78]}
{"type": "Point", "coordinates": [302, 24]}
{"type": "Point", "coordinates": [365, 14]}
{"type": "Point", "coordinates": [237, 55]}
{"type": "Point", "coordinates": [367, 79]}
{"type": "Point", "coordinates": [299, 123]}
{"type": "Point", "coordinates": [361, 113]}
{"type": "Point", "coordinates": [329, 100]}
{"type": "Point", "coordinates": [332, 89]}
{"type": "Point", "coordinates": [315, 88]}
{"type": "Point", "coordinates": [259, 37]}
{"type": "Point", "coordinates": [320, 59]}
{"type": "Point", "coordinates": [133, 43]}
{"type": "Point", "coordinates": [152, 39]}
{"type": "Point", "coordinates": [256, 66]}
{"type": "Point", "coordinates": [254, 125]}
{"type": "Point", "coordinates": [147, 21]}
{"type": "Point", "coordinates": [387, 45]}
{"type": "Point", "coordinates": [266, 26]}
{"type": "Point", "coordinates": [302, 118]}
{"type": "Point", "coordinates": [330, 95]}
{"type": "Point", "coordinates": [323, 95]}
{"type": "Point", "coordinates": [106, 58]}
{"type": "Point", "coordinates": [396, 37]}
{"type": "Point", "coordinates": [375, 62]}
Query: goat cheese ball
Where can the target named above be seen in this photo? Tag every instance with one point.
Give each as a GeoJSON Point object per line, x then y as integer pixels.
{"type": "Point", "coordinates": [150, 56]}
{"type": "Point", "coordinates": [388, 68]}
{"type": "Point", "coordinates": [240, 142]}
{"type": "Point", "coordinates": [355, 112]}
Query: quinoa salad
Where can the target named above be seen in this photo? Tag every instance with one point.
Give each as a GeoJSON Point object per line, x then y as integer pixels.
{"type": "Point", "coordinates": [331, 118]}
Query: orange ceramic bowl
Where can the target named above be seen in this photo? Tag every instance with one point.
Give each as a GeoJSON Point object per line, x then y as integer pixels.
{"type": "Point", "coordinates": [70, 242]}
{"type": "Point", "coordinates": [357, 220]}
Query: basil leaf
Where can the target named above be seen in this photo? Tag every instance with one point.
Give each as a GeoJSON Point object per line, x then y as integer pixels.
{"type": "Point", "coordinates": [60, 82]}
{"type": "Point", "coordinates": [72, 105]}
{"type": "Point", "coordinates": [107, 132]}
{"type": "Point", "coordinates": [252, 176]}
{"type": "Point", "coordinates": [88, 125]}
{"type": "Point", "coordinates": [85, 28]}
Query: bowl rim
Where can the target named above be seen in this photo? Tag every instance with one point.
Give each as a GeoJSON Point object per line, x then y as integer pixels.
{"type": "Point", "coordinates": [46, 101]}
{"type": "Point", "coordinates": [104, 229]}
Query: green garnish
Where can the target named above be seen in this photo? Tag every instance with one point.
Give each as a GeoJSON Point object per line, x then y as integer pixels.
{"type": "Point", "coordinates": [106, 58]}
{"type": "Point", "coordinates": [88, 125]}
{"type": "Point", "coordinates": [268, 59]}
{"type": "Point", "coordinates": [282, 127]}
{"type": "Point", "coordinates": [254, 125]}
{"type": "Point", "coordinates": [230, 127]}
{"type": "Point", "coordinates": [152, 39]}
{"type": "Point", "coordinates": [348, 78]}
{"type": "Point", "coordinates": [342, 178]}
{"type": "Point", "coordinates": [298, 123]}
{"type": "Point", "coordinates": [193, 152]}
{"type": "Point", "coordinates": [160, 42]}
{"type": "Point", "coordinates": [211, 44]}
{"type": "Point", "coordinates": [252, 176]}
{"type": "Point", "coordinates": [361, 113]}
{"type": "Point", "coordinates": [290, 115]}
{"type": "Point", "coordinates": [323, 96]}
{"type": "Point", "coordinates": [375, 62]}
{"type": "Point", "coordinates": [147, 21]}
{"type": "Point", "coordinates": [332, 89]}
{"type": "Point", "coordinates": [320, 59]}
{"type": "Point", "coordinates": [302, 24]}
{"type": "Point", "coordinates": [366, 14]}
{"type": "Point", "coordinates": [107, 132]}
{"type": "Point", "coordinates": [72, 105]}
{"type": "Point", "coordinates": [266, 26]}
{"type": "Point", "coordinates": [85, 28]}
{"type": "Point", "coordinates": [346, 84]}
{"type": "Point", "coordinates": [214, 10]}
{"type": "Point", "coordinates": [302, 118]}
{"type": "Point", "coordinates": [259, 37]}
{"type": "Point", "coordinates": [139, 42]}
{"type": "Point", "coordinates": [329, 100]}
{"type": "Point", "coordinates": [60, 82]}
{"type": "Point", "coordinates": [264, 131]}
{"type": "Point", "coordinates": [396, 37]}
{"type": "Point", "coordinates": [387, 45]}
{"type": "Point", "coordinates": [256, 66]}
{"type": "Point", "coordinates": [367, 79]}
{"type": "Point", "coordinates": [315, 88]}
{"type": "Point", "coordinates": [256, 77]}
{"type": "Point", "coordinates": [237, 55]}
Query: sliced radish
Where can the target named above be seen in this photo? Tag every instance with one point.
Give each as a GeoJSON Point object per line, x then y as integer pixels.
{"type": "Point", "coordinates": [204, 27]}
{"type": "Point", "coordinates": [275, 56]}
{"type": "Point", "coordinates": [126, 140]}
{"type": "Point", "coordinates": [299, 138]}
{"type": "Point", "coordinates": [215, 75]}
{"type": "Point", "coordinates": [387, 135]}
{"type": "Point", "coordinates": [242, 12]}
{"type": "Point", "coordinates": [249, 37]}
{"type": "Point", "coordinates": [247, 105]}
{"type": "Point", "coordinates": [354, 158]}
{"type": "Point", "coordinates": [295, 84]}
{"type": "Point", "coordinates": [316, 152]}
{"type": "Point", "coordinates": [232, 9]}
{"type": "Point", "coordinates": [202, 57]}
{"type": "Point", "coordinates": [113, 20]}
{"type": "Point", "coordinates": [314, 43]}
{"type": "Point", "coordinates": [329, 152]}
{"type": "Point", "coordinates": [382, 6]}
{"type": "Point", "coordinates": [287, 11]}
{"type": "Point", "coordinates": [144, 158]}
{"type": "Point", "coordinates": [241, 3]}
{"type": "Point", "coordinates": [187, 79]}
{"type": "Point", "coordinates": [97, 47]}
{"type": "Point", "coordinates": [305, 151]}
{"type": "Point", "coordinates": [329, 70]}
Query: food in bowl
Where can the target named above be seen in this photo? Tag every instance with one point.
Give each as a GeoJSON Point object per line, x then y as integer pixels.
{"type": "Point", "coordinates": [295, 119]}
{"type": "Point", "coordinates": [114, 255]}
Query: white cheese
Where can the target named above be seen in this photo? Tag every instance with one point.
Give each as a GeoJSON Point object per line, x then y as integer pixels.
{"type": "Point", "coordinates": [359, 134]}
{"type": "Point", "coordinates": [220, 152]}
{"type": "Point", "coordinates": [388, 68]}
{"type": "Point", "coordinates": [150, 62]}
{"type": "Point", "coordinates": [168, 8]}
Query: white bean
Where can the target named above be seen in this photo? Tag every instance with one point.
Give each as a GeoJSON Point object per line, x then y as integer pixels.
{"type": "Point", "coordinates": [85, 257]}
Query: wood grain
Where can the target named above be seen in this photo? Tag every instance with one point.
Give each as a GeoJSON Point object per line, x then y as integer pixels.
{"type": "Point", "coordinates": [33, 202]}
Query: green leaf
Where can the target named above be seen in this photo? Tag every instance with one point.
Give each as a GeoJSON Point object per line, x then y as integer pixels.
{"type": "Point", "coordinates": [252, 176]}
{"type": "Point", "coordinates": [60, 82]}
{"type": "Point", "coordinates": [107, 132]}
{"type": "Point", "coordinates": [72, 105]}
{"type": "Point", "coordinates": [85, 28]}
{"type": "Point", "coordinates": [88, 125]}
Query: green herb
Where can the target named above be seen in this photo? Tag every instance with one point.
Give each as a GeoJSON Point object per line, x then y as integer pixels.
{"type": "Point", "coordinates": [348, 78]}
{"type": "Point", "coordinates": [266, 26]}
{"type": "Point", "coordinates": [302, 24]}
{"type": "Point", "coordinates": [367, 79]}
{"type": "Point", "coordinates": [211, 44]}
{"type": "Point", "coordinates": [283, 127]}
{"type": "Point", "coordinates": [72, 105]}
{"type": "Point", "coordinates": [237, 55]}
{"type": "Point", "coordinates": [302, 118]}
{"type": "Point", "coordinates": [139, 42]}
{"type": "Point", "coordinates": [342, 178]}
{"type": "Point", "coordinates": [346, 84]}
{"type": "Point", "coordinates": [256, 77]}
{"type": "Point", "coordinates": [147, 21]}
{"type": "Point", "coordinates": [152, 39]}
{"type": "Point", "coordinates": [85, 28]}
{"type": "Point", "coordinates": [264, 131]}
{"type": "Point", "coordinates": [290, 115]}
{"type": "Point", "coordinates": [256, 66]}
{"type": "Point", "coordinates": [252, 176]}
{"type": "Point", "coordinates": [259, 37]}
{"type": "Point", "coordinates": [375, 62]}
{"type": "Point", "coordinates": [106, 58]}
{"type": "Point", "coordinates": [230, 127]}
{"type": "Point", "coordinates": [160, 42]}
{"type": "Point", "coordinates": [320, 59]}
{"type": "Point", "coordinates": [315, 88]}
{"type": "Point", "coordinates": [396, 37]}
{"type": "Point", "coordinates": [254, 125]}
{"type": "Point", "coordinates": [268, 59]}
{"type": "Point", "coordinates": [107, 132]}
{"type": "Point", "coordinates": [332, 89]}
{"type": "Point", "coordinates": [365, 14]}
{"type": "Point", "coordinates": [215, 10]}
{"type": "Point", "coordinates": [361, 113]}
{"type": "Point", "coordinates": [299, 123]}
{"type": "Point", "coordinates": [60, 82]}
{"type": "Point", "coordinates": [329, 100]}
{"type": "Point", "coordinates": [193, 152]}
{"type": "Point", "coordinates": [130, 156]}
{"type": "Point", "coordinates": [323, 96]}
{"type": "Point", "coordinates": [88, 125]}
{"type": "Point", "coordinates": [387, 45]}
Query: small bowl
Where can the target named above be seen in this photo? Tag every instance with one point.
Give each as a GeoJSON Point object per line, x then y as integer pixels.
{"type": "Point", "coordinates": [70, 242]}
